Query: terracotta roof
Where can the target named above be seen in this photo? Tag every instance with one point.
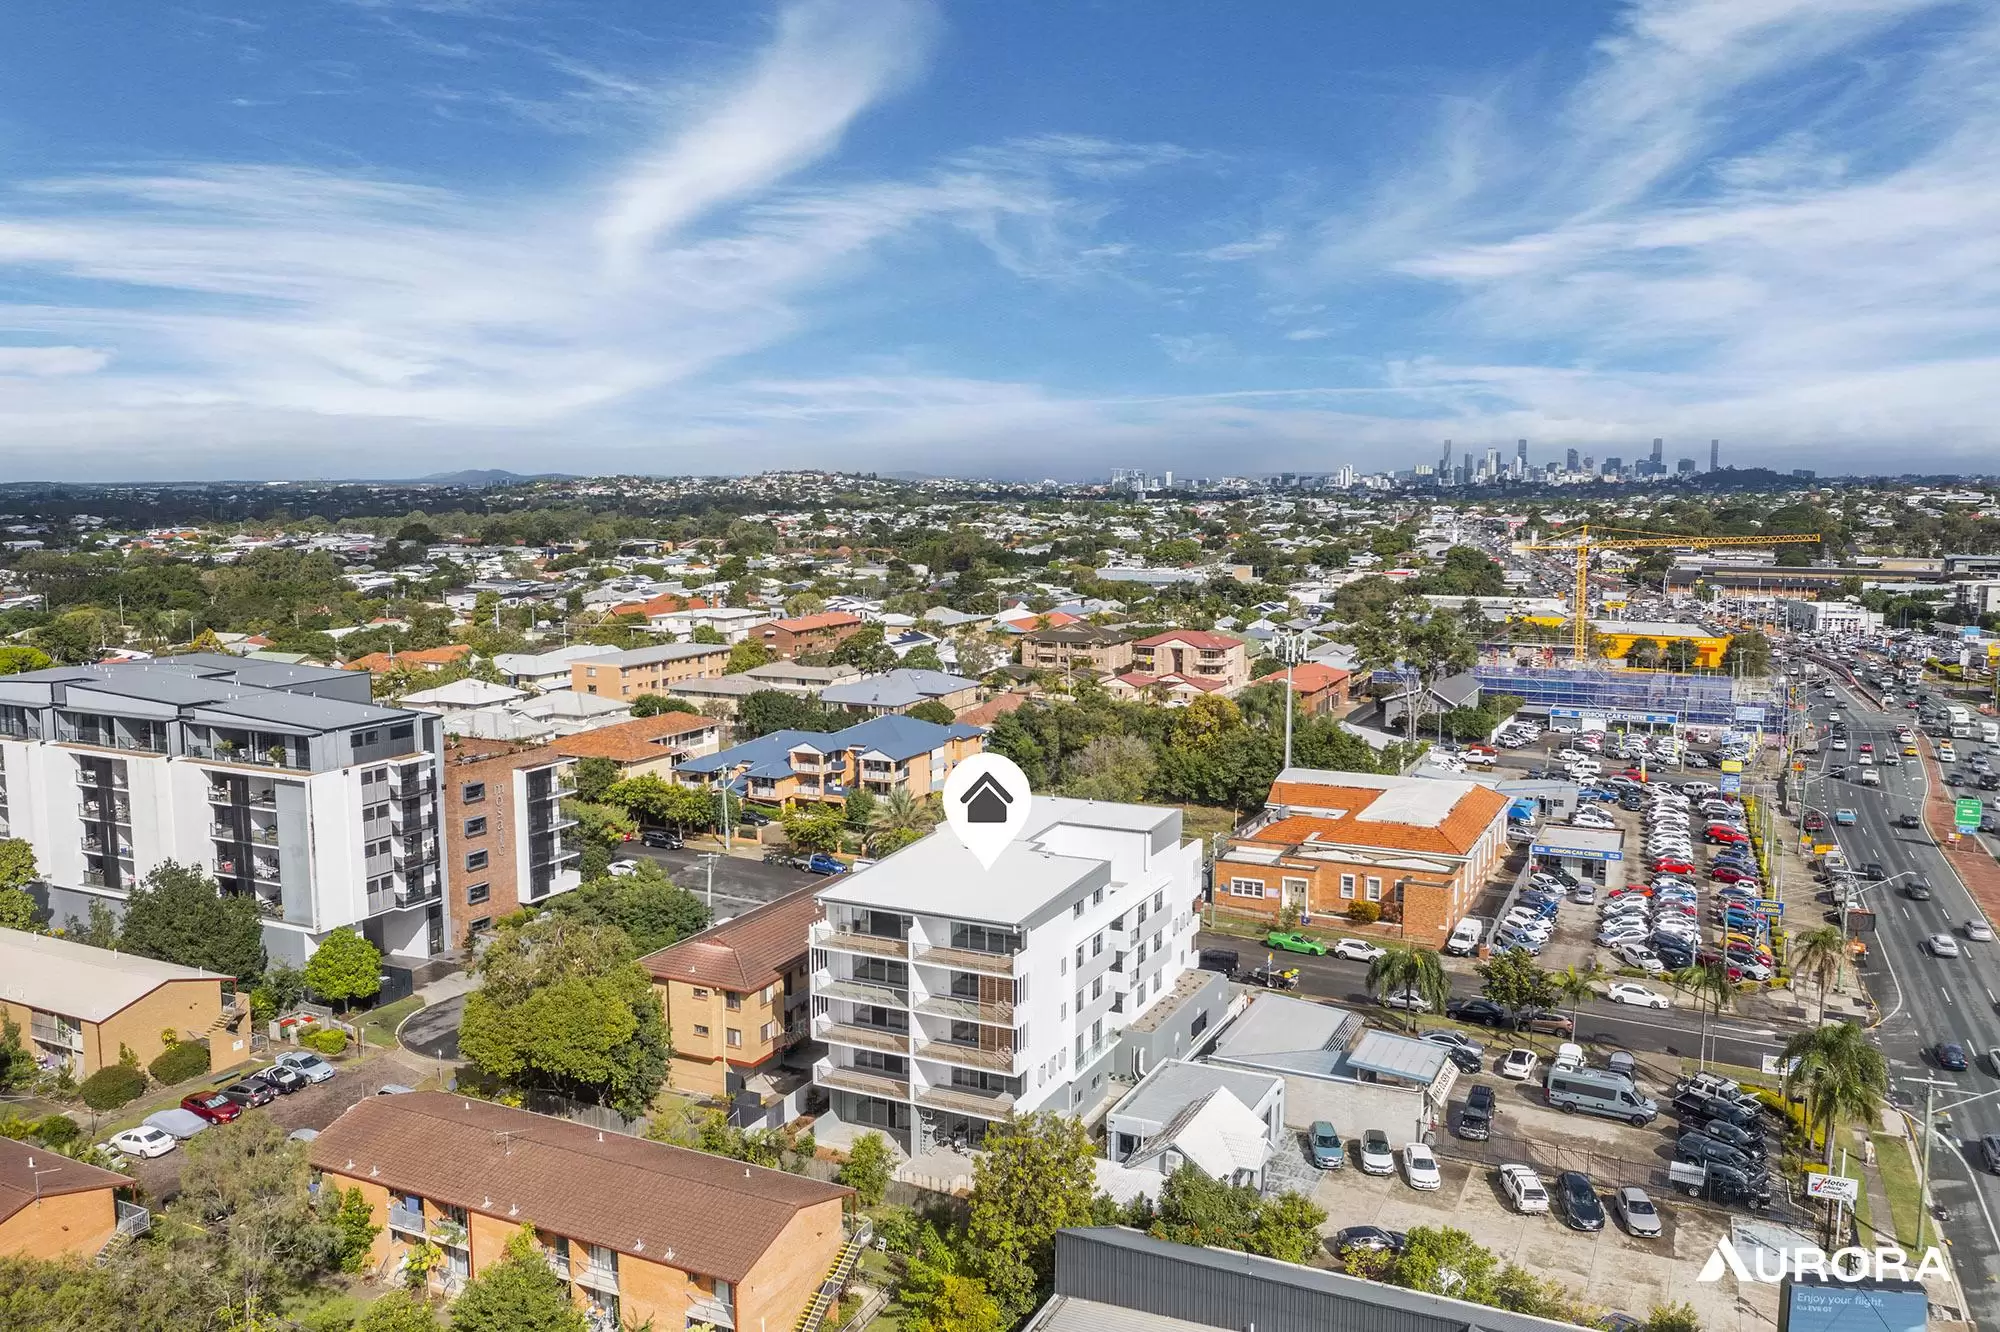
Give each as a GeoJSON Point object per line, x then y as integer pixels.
{"type": "Point", "coordinates": [805, 623]}
{"type": "Point", "coordinates": [1308, 677]}
{"type": "Point", "coordinates": [745, 953]}
{"type": "Point", "coordinates": [985, 714]}
{"type": "Point", "coordinates": [631, 741]}
{"type": "Point", "coordinates": [685, 1209]}
{"type": "Point", "coordinates": [664, 604]}
{"type": "Point", "coordinates": [1455, 834]}
{"type": "Point", "coordinates": [380, 662]}
{"type": "Point", "coordinates": [59, 1174]}
{"type": "Point", "coordinates": [1136, 680]}
{"type": "Point", "coordinates": [1192, 637]}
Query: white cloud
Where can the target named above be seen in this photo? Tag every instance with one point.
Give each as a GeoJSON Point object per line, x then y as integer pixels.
{"type": "Point", "coordinates": [1192, 348]}
{"type": "Point", "coordinates": [1235, 251]}
{"type": "Point", "coordinates": [44, 362]}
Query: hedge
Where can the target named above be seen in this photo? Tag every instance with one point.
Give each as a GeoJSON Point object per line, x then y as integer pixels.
{"type": "Point", "coordinates": [1365, 913]}
{"type": "Point", "coordinates": [56, 1130]}
{"type": "Point", "coordinates": [112, 1086]}
{"type": "Point", "coordinates": [178, 1063]}
{"type": "Point", "coordinates": [327, 1040]}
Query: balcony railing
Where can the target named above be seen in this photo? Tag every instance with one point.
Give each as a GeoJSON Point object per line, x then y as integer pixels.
{"type": "Point", "coordinates": [869, 1082]}
{"type": "Point", "coordinates": [825, 935]}
{"type": "Point", "coordinates": [410, 1220]}
{"type": "Point", "coordinates": [968, 959]}
{"type": "Point", "coordinates": [827, 986]}
{"type": "Point", "coordinates": [992, 1012]}
{"type": "Point", "coordinates": [704, 1309]}
{"type": "Point", "coordinates": [966, 1101]}
{"type": "Point", "coordinates": [968, 1056]}
{"type": "Point", "coordinates": [867, 1037]}
{"type": "Point", "coordinates": [133, 1219]}
{"type": "Point", "coordinates": [594, 1276]}
{"type": "Point", "coordinates": [59, 1034]}
{"type": "Point", "coordinates": [88, 777]}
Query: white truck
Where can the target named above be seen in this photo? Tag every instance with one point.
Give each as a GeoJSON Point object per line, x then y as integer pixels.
{"type": "Point", "coordinates": [1989, 732]}
{"type": "Point", "coordinates": [1960, 720]}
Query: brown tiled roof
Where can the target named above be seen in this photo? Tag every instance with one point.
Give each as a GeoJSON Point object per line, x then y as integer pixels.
{"type": "Point", "coordinates": [744, 954]}
{"type": "Point", "coordinates": [382, 662]}
{"type": "Point", "coordinates": [630, 741]}
{"type": "Point", "coordinates": [1082, 632]}
{"type": "Point", "coordinates": [1137, 680]}
{"type": "Point", "coordinates": [1308, 677]}
{"type": "Point", "coordinates": [1193, 638]}
{"type": "Point", "coordinates": [805, 623]}
{"type": "Point", "coordinates": [664, 604]}
{"type": "Point", "coordinates": [1455, 834]}
{"type": "Point", "coordinates": [690, 1210]}
{"type": "Point", "coordinates": [985, 714]}
{"type": "Point", "coordinates": [19, 1163]}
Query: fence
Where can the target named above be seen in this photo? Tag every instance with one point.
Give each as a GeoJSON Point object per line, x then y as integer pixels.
{"type": "Point", "coordinates": [583, 1112]}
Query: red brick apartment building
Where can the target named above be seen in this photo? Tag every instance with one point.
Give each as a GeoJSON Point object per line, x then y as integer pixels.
{"type": "Point", "coordinates": [804, 634]}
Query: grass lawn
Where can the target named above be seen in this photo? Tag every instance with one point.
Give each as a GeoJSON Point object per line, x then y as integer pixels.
{"type": "Point", "coordinates": [1205, 821]}
{"type": "Point", "coordinates": [1899, 1181]}
{"type": "Point", "coordinates": [379, 1024]}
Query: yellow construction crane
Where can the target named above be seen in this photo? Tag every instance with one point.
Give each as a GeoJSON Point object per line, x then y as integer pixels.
{"type": "Point", "coordinates": [1582, 542]}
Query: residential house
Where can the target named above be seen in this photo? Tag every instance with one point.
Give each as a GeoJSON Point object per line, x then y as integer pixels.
{"type": "Point", "coordinates": [654, 670]}
{"type": "Point", "coordinates": [951, 996]}
{"type": "Point", "coordinates": [735, 999]}
{"type": "Point", "coordinates": [1412, 702]}
{"type": "Point", "coordinates": [1227, 1123]}
{"type": "Point", "coordinates": [504, 831]}
{"type": "Point", "coordinates": [900, 690]}
{"type": "Point", "coordinates": [1214, 659]}
{"type": "Point", "coordinates": [641, 1233]}
{"type": "Point", "coordinates": [804, 634]}
{"type": "Point", "coordinates": [804, 681]}
{"type": "Point", "coordinates": [284, 782]}
{"type": "Point", "coordinates": [78, 1006]}
{"type": "Point", "coordinates": [656, 611]}
{"type": "Point", "coordinates": [879, 755]}
{"type": "Point", "coordinates": [1319, 690]}
{"type": "Point", "coordinates": [462, 696]}
{"type": "Point", "coordinates": [54, 1207]}
{"type": "Point", "coordinates": [1080, 647]}
{"type": "Point", "coordinates": [733, 623]}
{"type": "Point", "coordinates": [542, 671]}
{"type": "Point", "coordinates": [424, 660]}
{"type": "Point", "coordinates": [656, 744]}
{"type": "Point", "coordinates": [1421, 848]}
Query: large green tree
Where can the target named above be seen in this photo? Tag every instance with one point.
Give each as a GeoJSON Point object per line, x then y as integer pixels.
{"type": "Point", "coordinates": [344, 967]}
{"type": "Point", "coordinates": [17, 871]}
{"type": "Point", "coordinates": [563, 1006]}
{"type": "Point", "coordinates": [1035, 1177]}
{"type": "Point", "coordinates": [1407, 969]}
{"type": "Point", "coordinates": [246, 1185]}
{"type": "Point", "coordinates": [645, 904]}
{"type": "Point", "coordinates": [520, 1293]}
{"type": "Point", "coordinates": [1512, 980]}
{"type": "Point", "coordinates": [1843, 1075]}
{"type": "Point", "coordinates": [178, 914]}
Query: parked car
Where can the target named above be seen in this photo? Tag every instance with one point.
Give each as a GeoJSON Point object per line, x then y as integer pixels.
{"type": "Point", "coordinates": [1376, 1156]}
{"type": "Point", "coordinates": [1371, 1239]}
{"type": "Point", "coordinates": [1581, 1209]}
{"type": "Point", "coordinates": [251, 1092]}
{"type": "Point", "coordinates": [284, 1079]}
{"type": "Point", "coordinates": [1225, 960]}
{"type": "Point", "coordinates": [1546, 1022]}
{"type": "Point", "coordinates": [1626, 992]}
{"type": "Point", "coordinates": [1518, 1064]}
{"type": "Point", "coordinates": [1475, 1120]}
{"type": "Point", "coordinates": [1482, 1011]}
{"type": "Point", "coordinates": [1641, 1219]}
{"type": "Point", "coordinates": [665, 838]}
{"type": "Point", "coordinates": [1420, 1168]}
{"type": "Point", "coordinates": [1524, 1189]}
{"type": "Point", "coordinates": [212, 1106]}
{"type": "Point", "coordinates": [145, 1142]}
{"type": "Point", "coordinates": [1358, 950]}
{"type": "Point", "coordinates": [307, 1064]}
{"type": "Point", "coordinates": [1291, 941]}
{"type": "Point", "coordinates": [1328, 1152]}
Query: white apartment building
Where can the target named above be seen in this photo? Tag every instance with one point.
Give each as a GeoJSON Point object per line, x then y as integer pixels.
{"type": "Point", "coordinates": [283, 782]}
{"type": "Point", "coordinates": [1830, 617]}
{"type": "Point", "coordinates": [732, 622]}
{"type": "Point", "coordinates": [950, 996]}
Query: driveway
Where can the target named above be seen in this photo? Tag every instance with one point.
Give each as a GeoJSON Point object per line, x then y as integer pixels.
{"type": "Point", "coordinates": [432, 1031]}
{"type": "Point", "coordinates": [740, 883]}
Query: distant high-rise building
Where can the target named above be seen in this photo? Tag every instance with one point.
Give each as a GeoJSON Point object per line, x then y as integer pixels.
{"type": "Point", "coordinates": [1659, 451]}
{"type": "Point", "coordinates": [1686, 467]}
{"type": "Point", "coordinates": [1613, 466]}
{"type": "Point", "coordinates": [1493, 463]}
{"type": "Point", "coordinates": [1714, 455]}
{"type": "Point", "coordinates": [1569, 461]}
{"type": "Point", "coordinates": [1589, 463]}
{"type": "Point", "coordinates": [1167, 480]}
{"type": "Point", "coordinates": [1470, 474]}
{"type": "Point", "coordinates": [1521, 451]}
{"type": "Point", "coordinates": [1444, 461]}
{"type": "Point", "coordinates": [1805, 473]}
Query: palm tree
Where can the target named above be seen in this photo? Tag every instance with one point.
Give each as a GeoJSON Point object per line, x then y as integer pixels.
{"type": "Point", "coordinates": [1817, 954]}
{"type": "Point", "coordinates": [1708, 985]}
{"type": "Point", "coordinates": [1575, 986]}
{"type": "Point", "coordinates": [1405, 969]}
{"type": "Point", "coordinates": [900, 817]}
{"type": "Point", "coordinates": [1843, 1074]}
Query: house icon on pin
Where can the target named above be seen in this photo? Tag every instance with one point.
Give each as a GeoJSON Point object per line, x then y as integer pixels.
{"type": "Point", "coordinates": [986, 801]}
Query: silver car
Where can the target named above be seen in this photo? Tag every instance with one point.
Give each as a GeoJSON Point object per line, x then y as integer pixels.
{"type": "Point", "coordinates": [1641, 1219]}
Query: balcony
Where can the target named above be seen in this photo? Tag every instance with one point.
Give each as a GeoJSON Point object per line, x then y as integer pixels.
{"type": "Point", "coordinates": [868, 1082]}
{"type": "Point", "coordinates": [595, 1276]}
{"type": "Point", "coordinates": [825, 935]}
{"type": "Point", "coordinates": [966, 1101]}
{"type": "Point", "coordinates": [835, 1032]}
{"type": "Point", "coordinates": [133, 1220]}
{"type": "Point", "coordinates": [262, 870]}
{"type": "Point", "coordinates": [967, 959]}
{"type": "Point", "coordinates": [827, 986]}
{"type": "Point", "coordinates": [409, 1220]}
{"type": "Point", "coordinates": [994, 1013]}
{"type": "Point", "coordinates": [55, 1033]}
{"type": "Point", "coordinates": [706, 1309]}
{"type": "Point", "coordinates": [968, 1056]}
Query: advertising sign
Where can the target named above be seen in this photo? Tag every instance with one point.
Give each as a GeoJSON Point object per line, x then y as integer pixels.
{"type": "Point", "coordinates": [1732, 765]}
{"type": "Point", "coordinates": [1730, 783]}
{"type": "Point", "coordinates": [1832, 1188]}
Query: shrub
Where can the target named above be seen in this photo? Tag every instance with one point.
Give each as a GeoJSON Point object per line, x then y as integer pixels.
{"type": "Point", "coordinates": [112, 1086]}
{"type": "Point", "coordinates": [1364, 913]}
{"type": "Point", "coordinates": [178, 1063]}
{"type": "Point", "coordinates": [327, 1040]}
{"type": "Point", "coordinates": [57, 1130]}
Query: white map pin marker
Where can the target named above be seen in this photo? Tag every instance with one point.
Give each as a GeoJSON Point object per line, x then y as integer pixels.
{"type": "Point", "coordinates": [986, 802]}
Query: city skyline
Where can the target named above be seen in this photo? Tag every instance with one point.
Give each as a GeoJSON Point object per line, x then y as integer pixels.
{"type": "Point", "coordinates": [395, 238]}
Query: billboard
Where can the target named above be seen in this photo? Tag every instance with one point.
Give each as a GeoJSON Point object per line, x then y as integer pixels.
{"type": "Point", "coordinates": [1807, 1304]}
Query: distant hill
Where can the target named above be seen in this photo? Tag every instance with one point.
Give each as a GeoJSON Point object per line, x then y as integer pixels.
{"type": "Point", "coordinates": [491, 476]}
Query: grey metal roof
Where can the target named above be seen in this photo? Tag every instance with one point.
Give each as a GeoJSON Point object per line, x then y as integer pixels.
{"type": "Point", "coordinates": [1288, 1035]}
{"type": "Point", "coordinates": [650, 656]}
{"type": "Point", "coordinates": [1390, 1055]}
{"type": "Point", "coordinates": [1174, 1085]}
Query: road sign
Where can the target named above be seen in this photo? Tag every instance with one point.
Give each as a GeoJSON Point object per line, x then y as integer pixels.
{"type": "Point", "coordinates": [1730, 783]}
{"type": "Point", "coordinates": [1832, 1188]}
{"type": "Point", "coordinates": [1732, 765]}
{"type": "Point", "coordinates": [1966, 814]}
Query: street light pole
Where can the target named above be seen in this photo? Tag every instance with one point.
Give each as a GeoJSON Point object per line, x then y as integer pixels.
{"type": "Point", "coordinates": [1930, 1085]}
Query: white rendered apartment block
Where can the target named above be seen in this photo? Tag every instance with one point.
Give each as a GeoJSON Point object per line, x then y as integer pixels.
{"type": "Point", "coordinates": [283, 782]}
{"type": "Point", "coordinates": [949, 996]}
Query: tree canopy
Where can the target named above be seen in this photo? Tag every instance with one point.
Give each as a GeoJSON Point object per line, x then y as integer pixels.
{"type": "Point", "coordinates": [178, 914]}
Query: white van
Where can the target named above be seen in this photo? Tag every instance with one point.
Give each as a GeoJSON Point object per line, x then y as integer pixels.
{"type": "Point", "coordinates": [1465, 937]}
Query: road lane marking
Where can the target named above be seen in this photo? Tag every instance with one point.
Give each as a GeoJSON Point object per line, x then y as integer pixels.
{"type": "Point", "coordinates": [1946, 993]}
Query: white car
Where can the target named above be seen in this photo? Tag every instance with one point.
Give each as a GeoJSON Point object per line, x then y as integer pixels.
{"type": "Point", "coordinates": [1943, 945]}
{"type": "Point", "coordinates": [1625, 992]}
{"type": "Point", "coordinates": [1420, 1168]}
{"type": "Point", "coordinates": [620, 868]}
{"type": "Point", "coordinates": [1978, 931]}
{"type": "Point", "coordinates": [1590, 818]}
{"type": "Point", "coordinates": [1524, 1189]}
{"type": "Point", "coordinates": [1376, 1157]}
{"type": "Point", "coordinates": [308, 1064]}
{"type": "Point", "coordinates": [1358, 950]}
{"type": "Point", "coordinates": [1568, 1055]}
{"type": "Point", "coordinates": [1519, 1065]}
{"type": "Point", "coordinates": [1640, 956]}
{"type": "Point", "coordinates": [144, 1141]}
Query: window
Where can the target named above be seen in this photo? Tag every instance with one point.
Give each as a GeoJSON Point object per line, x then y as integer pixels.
{"type": "Point", "coordinates": [1347, 886]}
{"type": "Point", "coordinates": [478, 893]}
{"type": "Point", "coordinates": [700, 993]}
{"type": "Point", "coordinates": [764, 1032]}
{"type": "Point", "coordinates": [1160, 900]}
{"type": "Point", "coordinates": [1246, 887]}
{"type": "Point", "coordinates": [1079, 955]}
{"type": "Point", "coordinates": [732, 1001]}
{"type": "Point", "coordinates": [476, 827]}
{"type": "Point", "coordinates": [372, 812]}
{"type": "Point", "coordinates": [1081, 1000]}
{"type": "Point", "coordinates": [475, 860]}
{"type": "Point", "coordinates": [734, 1038]}
{"type": "Point", "coordinates": [1374, 888]}
{"type": "Point", "coordinates": [1076, 912]}
{"type": "Point", "coordinates": [480, 926]}
{"type": "Point", "coordinates": [1096, 944]}
{"type": "Point", "coordinates": [374, 849]}
{"type": "Point", "coordinates": [700, 1030]}
{"type": "Point", "coordinates": [362, 739]}
{"type": "Point", "coordinates": [407, 731]}
{"type": "Point", "coordinates": [764, 995]}
{"type": "Point", "coordinates": [473, 792]}
{"type": "Point", "coordinates": [1097, 898]}
{"type": "Point", "coordinates": [1097, 988]}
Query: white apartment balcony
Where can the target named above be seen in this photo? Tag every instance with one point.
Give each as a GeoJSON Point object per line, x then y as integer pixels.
{"type": "Point", "coordinates": [996, 1013]}
{"type": "Point", "coordinates": [825, 985]}
{"type": "Point", "coordinates": [868, 1082]}
{"type": "Point", "coordinates": [967, 1101]}
{"type": "Point", "coordinates": [971, 1056]}
{"type": "Point", "coordinates": [826, 1027]}
{"type": "Point", "coordinates": [824, 935]}
{"type": "Point", "coordinates": [969, 959]}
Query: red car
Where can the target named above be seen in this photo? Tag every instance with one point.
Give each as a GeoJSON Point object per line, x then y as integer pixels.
{"type": "Point", "coordinates": [1634, 774]}
{"type": "Point", "coordinates": [1730, 874]}
{"type": "Point", "coordinates": [1672, 865]}
{"type": "Point", "coordinates": [212, 1106]}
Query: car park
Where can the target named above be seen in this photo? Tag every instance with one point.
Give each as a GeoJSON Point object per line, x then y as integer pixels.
{"type": "Point", "coordinates": [1524, 1190]}
{"type": "Point", "coordinates": [1636, 1212]}
{"type": "Point", "coordinates": [1376, 1156]}
{"type": "Point", "coordinates": [1420, 1168]}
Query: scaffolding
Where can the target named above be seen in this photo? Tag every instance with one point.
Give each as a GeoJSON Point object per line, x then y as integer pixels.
{"type": "Point", "coordinates": [1696, 700]}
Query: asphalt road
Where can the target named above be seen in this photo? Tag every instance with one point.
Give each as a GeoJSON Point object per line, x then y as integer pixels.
{"type": "Point", "coordinates": [432, 1031]}
{"type": "Point", "coordinates": [1927, 999]}
{"type": "Point", "coordinates": [1674, 1031]}
{"type": "Point", "coordinates": [739, 884]}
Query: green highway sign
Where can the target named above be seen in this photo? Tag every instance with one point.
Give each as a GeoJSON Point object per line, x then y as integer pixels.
{"type": "Point", "coordinates": [1966, 815]}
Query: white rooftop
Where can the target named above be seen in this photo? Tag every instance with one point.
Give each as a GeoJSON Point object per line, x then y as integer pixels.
{"type": "Point", "coordinates": [78, 981]}
{"type": "Point", "coordinates": [1422, 802]}
{"type": "Point", "coordinates": [466, 693]}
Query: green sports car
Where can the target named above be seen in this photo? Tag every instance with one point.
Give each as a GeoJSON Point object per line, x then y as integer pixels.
{"type": "Point", "coordinates": [1294, 943]}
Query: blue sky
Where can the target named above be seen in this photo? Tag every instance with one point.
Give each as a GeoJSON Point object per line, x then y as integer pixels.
{"type": "Point", "coordinates": [386, 237]}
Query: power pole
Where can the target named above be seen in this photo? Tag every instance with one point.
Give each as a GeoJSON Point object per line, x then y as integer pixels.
{"type": "Point", "coordinates": [1930, 1086]}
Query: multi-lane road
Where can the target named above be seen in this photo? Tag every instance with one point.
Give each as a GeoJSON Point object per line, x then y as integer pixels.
{"type": "Point", "coordinates": [1926, 999]}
